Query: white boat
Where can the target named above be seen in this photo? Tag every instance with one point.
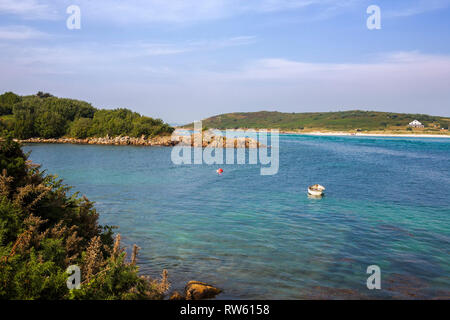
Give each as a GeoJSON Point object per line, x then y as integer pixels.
{"type": "Point", "coordinates": [316, 190]}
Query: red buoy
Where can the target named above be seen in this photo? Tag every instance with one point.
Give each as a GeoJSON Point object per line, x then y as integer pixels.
{"type": "Point", "coordinates": [219, 171]}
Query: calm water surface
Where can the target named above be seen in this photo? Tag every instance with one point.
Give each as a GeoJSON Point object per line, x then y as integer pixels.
{"type": "Point", "coordinates": [261, 237]}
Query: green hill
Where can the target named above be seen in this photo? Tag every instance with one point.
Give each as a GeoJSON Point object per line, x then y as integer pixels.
{"type": "Point", "coordinates": [45, 116]}
{"type": "Point", "coordinates": [327, 121]}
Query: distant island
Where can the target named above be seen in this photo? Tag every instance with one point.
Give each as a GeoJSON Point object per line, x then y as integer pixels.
{"type": "Point", "coordinates": [48, 117]}
{"type": "Point", "coordinates": [355, 121]}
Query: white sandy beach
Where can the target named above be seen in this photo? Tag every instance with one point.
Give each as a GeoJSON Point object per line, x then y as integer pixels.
{"type": "Point", "coordinates": [371, 134]}
{"type": "Point", "coordinates": [182, 131]}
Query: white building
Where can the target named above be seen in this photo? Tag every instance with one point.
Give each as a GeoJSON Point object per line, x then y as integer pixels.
{"type": "Point", "coordinates": [416, 124]}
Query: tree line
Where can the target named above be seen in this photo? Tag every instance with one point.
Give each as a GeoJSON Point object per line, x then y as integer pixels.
{"type": "Point", "coordinates": [341, 120]}
{"type": "Point", "coordinates": [43, 115]}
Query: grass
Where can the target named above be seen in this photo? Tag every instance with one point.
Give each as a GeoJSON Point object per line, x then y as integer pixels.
{"type": "Point", "coordinates": [364, 121]}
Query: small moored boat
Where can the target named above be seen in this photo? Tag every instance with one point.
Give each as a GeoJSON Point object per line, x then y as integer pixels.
{"type": "Point", "coordinates": [316, 190]}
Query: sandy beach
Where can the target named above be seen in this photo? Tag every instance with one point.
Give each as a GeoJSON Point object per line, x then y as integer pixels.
{"type": "Point", "coordinates": [317, 133]}
{"type": "Point", "coordinates": [336, 133]}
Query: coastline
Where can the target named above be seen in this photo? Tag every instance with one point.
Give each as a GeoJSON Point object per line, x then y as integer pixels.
{"type": "Point", "coordinates": [358, 134]}
{"type": "Point", "coordinates": [343, 133]}
{"type": "Point", "coordinates": [118, 141]}
{"type": "Point", "coordinates": [208, 140]}
{"type": "Point", "coordinates": [211, 140]}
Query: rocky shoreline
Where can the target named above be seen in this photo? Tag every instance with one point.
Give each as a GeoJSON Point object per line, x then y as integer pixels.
{"type": "Point", "coordinates": [118, 141]}
{"type": "Point", "coordinates": [166, 141]}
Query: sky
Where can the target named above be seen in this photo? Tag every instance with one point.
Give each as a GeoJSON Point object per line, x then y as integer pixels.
{"type": "Point", "coordinates": [185, 60]}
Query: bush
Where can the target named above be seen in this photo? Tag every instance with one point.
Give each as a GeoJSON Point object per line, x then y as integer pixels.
{"type": "Point", "coordinates": [7, 101]}
{"type": "Point", "coordinates": [49, 124]}
{"type": "Point", "coordinates": [43, 230]}
{"type": "Point", "coordinates": [23, 121]}
{"type": "Point", "coordinates": [5, 109]}
{"type": "Point", "coordinates": [80, 128]}
{"type": "Point", "coordinates": [43, 95]}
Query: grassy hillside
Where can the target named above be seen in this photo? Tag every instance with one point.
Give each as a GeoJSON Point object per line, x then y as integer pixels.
{"type": "Point", "coordinates": [43, 115]}
{"type": "Point", "coordinates": [331, 121]}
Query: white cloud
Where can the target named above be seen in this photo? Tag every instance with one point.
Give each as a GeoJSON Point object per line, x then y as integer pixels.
{"type": "Point", "coordinates": [417, 7]}
{"type": "Point", "coordinates": [20, 33]}
{"type": "Point", "coordinates": [186, 11]}
{"type": "Point", "coordinates": [79, 58]}
{"type": "Point", "coordinates": [182, 11]}
{"type": "Point", "coordinates": [136, 49]}
{"type": "Point", "coordinates": [29, 9]}
{"type": "Point", "coordinates": [171, 11]}
{"type": "Point", "coordinates": [399, 81]}
{"type": "Point", "coordinates": [393, 65]}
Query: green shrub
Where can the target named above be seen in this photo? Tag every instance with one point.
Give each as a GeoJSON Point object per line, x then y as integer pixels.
{"type": "Point", "coordinates": [81, 128]}
{"type": "Point", "coordinates": [49, 124]}
{"type": "Point", "coordinates": [23, 121]}
{"type": "Point", "coordinates": [7, 101]}
{"type": "Point", "coordinates": [43, 230]}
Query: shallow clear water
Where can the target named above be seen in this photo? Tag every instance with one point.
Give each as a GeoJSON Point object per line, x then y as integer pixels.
{"type": "Point", "coordinates": [387, 203]}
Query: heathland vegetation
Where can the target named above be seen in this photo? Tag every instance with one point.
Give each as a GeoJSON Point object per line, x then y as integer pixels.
{"type": "Point", "coordinates": [44, 230]}
{"type": "Point", "coordinates": [43, 115]}
{"type": "Point", "coordinates": [326, 121]}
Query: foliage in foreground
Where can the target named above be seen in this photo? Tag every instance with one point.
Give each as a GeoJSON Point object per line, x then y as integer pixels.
{"type": "Point", "coordinates": [46, 116]}
{"type": "Point", "coordinates": [43, 230]}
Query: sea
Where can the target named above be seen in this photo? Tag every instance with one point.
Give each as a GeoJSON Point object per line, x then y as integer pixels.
{"type": "Point", "coordinates": [386, 204]}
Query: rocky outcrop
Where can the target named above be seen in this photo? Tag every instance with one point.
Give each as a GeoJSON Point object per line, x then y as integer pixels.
{"type": "Point", "coordinates": [208, 139]}
{"type": "Point", "coordinates": [167, 141]}
{"type": "Point", "coordinates": [196, 290]}
{"type": "Point", "coordinates": [177, 296]}
{"type": "Point", "coordinates": [119, 141]}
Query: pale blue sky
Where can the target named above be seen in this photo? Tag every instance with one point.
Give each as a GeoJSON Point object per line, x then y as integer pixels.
{"type": "Point", "coordinates": [184, 60]}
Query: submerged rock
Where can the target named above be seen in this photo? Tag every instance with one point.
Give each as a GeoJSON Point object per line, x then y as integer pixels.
{"type": "Point", "coordinates": [196, 290]}
{"type": "Point", "coordinates": [177, 296]}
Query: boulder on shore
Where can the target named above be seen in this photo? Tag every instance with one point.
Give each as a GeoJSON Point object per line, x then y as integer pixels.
{"type": "Point", "coordinates": [208, 141]}
{"type": "Point", "coordinates": [196, 290]}
{"type": "Point", "coordinates": [177, 296]}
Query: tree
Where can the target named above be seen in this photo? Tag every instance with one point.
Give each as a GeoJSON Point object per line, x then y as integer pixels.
{"type": "Point", "coordinates": [41, 94]}
{"type": "Point", "coordinates": [150, 127]}
{"type": "Point", "coordinates": [7, 101]}
{"type": "Point", "coordinates": [50, 124]}
{"type": "Point", "coordinates": [81, 128]}
{"type": "Point", "coordinates": [50, 117]}
{"type": "Point", "coordinates": [23, 122]}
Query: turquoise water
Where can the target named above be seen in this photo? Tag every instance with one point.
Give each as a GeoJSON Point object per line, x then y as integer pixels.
{"type": "Point", "coordinates": [387, 203]}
